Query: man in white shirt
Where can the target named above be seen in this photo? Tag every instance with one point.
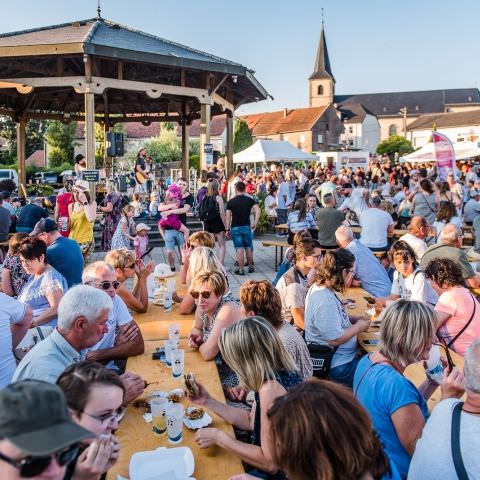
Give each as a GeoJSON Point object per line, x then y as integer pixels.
{"type": "Point", "coordinates": [283, 200]}
{"type": "Point", "coordinates": [416, 236]}
{"type": "Point", "coordinates": [129, 341]}
{"type": "Point", "coordinates": [328, 187]}
{"type": "Point", "coordinates": [356, 199]}
{"type": "Point", "coordinates": [376, 225]}
{"type": "Point", "coordinates": [472, 207]}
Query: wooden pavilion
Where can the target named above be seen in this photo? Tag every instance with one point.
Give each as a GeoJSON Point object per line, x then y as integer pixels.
{"type": "Point", "coordinates": [99, 71]}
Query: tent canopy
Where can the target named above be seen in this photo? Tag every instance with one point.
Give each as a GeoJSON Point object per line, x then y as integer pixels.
{"type": "Point", "coordinates": [463, 150]}
{"type": "Point", "coordinates": [265, 151]}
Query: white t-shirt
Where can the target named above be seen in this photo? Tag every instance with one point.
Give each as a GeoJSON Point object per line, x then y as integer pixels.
{"type": "Point", "coordinates": [11, 312]}
{"type": "Point", "coordinates": [283, 190]}
{"type": "Point", "coordinates": [418, 245]}
{"type": "Point", "coordinates": [355, 202]}
{"type": "Point", "coordinates": [432, 459]}
{"type": "Point", "coordinates": [375, 223]}
{"type": "Point", "coordinates": [119, 316]}
{"type": "Point", "coordinates": [270, 211]}
{"type": "Point", "coordinates": [414, 287]}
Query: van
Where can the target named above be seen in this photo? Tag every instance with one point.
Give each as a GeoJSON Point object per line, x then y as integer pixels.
{"type": "Point", "coordinates": [9, 174]}
{"type": "Point", "coordinates": [46, 178]}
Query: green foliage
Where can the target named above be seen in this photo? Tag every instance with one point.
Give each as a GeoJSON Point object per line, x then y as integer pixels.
{"type": "Point", "coordinates": [395, 144]}
{"type": "Point", "coordinates": [61, 141]}
{"type": "Point", "coordinates": [167, 147]}
{"type": "Point", "coordinates": [40, 190]}
{"type": "Point", "coordinates": [34, 132]}
{"type": "Point", "coordinates": [263, 222]}
{"type": "Point", "coordinates": [100, 142]}
{"type": "Point", "coordinates": [194, 162]}
{"type": "Point", "coordinates": [242, 136]}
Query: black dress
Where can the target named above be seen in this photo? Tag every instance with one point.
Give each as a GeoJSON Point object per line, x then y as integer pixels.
{"type": "Point", "coordinates": [215, 225]}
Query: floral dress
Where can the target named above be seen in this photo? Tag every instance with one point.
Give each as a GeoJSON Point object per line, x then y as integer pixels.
{"type": "Point", "coordinates": [18, 276]}
{"type": "Point", "coordinates": [111, 219]}
{"type": "Point", "coordinates": [119, 240]}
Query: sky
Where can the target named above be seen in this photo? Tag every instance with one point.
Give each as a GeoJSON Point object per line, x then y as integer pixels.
{"type": "Point", "coordinates": [374, 45]}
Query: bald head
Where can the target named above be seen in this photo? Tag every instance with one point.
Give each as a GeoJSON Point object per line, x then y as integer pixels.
{"type": "Point", "coordinates": [418, 227]}
{"type": "Point", "coordinates": [344, 236]}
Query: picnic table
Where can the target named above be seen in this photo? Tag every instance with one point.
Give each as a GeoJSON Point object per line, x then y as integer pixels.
{"type": "Point", "coordinates": [135, 435]}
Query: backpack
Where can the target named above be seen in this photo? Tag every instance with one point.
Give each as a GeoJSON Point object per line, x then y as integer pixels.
{"type": "Point", "coordinates": [208, 210]}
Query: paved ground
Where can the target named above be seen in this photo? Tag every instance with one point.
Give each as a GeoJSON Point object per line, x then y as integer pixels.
{"type": "Point", "coordinates": [263, 257]}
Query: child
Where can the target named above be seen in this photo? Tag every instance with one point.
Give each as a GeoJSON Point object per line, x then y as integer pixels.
{"type": "Point", "coordinates": [125, 231]}
{"type": "Point", "coordinates": [173, 197]}
{"type": "Point", "coordinates": [141, 240]}
{"type": "Point", "coordinates": [137, 205]}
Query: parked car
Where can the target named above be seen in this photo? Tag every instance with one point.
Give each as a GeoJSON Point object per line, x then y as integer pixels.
{"type": "Point", "coordinates": [49, 178]}
{"type": "Point", "coordinates": [9, 174]}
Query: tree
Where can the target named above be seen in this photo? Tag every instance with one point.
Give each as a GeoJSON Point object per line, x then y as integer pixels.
{"type": "Point", "coordinates": [242, 136]}
{"type": "Point", "coordinates": [100, 142]}
{"type": "Point", "coordinates": [395, 144]}
{"type": "Point", "coordinates": [167, 147]}
{"type": "Point", "coordinates": [61, 141]}
{"type": "Point", "coordinates": [34, 132]}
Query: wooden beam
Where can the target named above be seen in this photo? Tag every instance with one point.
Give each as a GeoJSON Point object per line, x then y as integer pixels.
{"type": "Point", "coordinates": [21, 157]}
{"type": "Point", "coordinates": [90, 135]}
{"type": "Point", "coordinates": [205, 117]}
{"type": "Point", "coordinates": [39, 50]}
{"type": "Point", "coordinates": [60, 66]}
{"type": "Point", "coordinates": [211, 91]}
{"type": "Point", "coordinates": [185, 141]}
{"type": "Point", "coordinates": [229, 146]}
{"type": "Point", "coordinates": [120, 70]}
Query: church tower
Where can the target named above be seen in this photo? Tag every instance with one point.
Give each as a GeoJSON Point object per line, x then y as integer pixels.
{"type": "Point", "coordinates": [321, 81]}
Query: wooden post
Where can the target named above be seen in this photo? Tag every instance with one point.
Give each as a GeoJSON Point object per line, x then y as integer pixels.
{"type": "Point", "coordinates": [205, 116]}
{"type": "Point", "coordinates": [229, 146]}
{"type": "Point", "coordinates": [21, 140]}
{"type": "Point", "coordinates": [107, 161]}
{"type": "Point", "coordinates": [185, 147]}
{"type": "Point", "coordinates": [90, 135]}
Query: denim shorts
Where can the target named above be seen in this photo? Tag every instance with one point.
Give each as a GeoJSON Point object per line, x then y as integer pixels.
{"type": "Point", "coordinates": [242, 237]}
{"type": "Point", "coordinates": [172, 238]}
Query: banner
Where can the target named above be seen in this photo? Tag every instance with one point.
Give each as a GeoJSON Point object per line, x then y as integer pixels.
{"type": "Point", "coordinates": [444, 155]}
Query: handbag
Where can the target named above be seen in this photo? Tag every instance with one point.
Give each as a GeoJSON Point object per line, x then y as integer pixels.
{"type": "Point", "coordinates": [321, 356]}
{"type": "Point", "coordinates": [455, 443]}
{"type": "Point", "coordinates": [32, 337]}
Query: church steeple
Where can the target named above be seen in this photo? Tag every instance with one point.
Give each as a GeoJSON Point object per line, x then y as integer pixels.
{"type": "Point", "coordinates": [321, 81]}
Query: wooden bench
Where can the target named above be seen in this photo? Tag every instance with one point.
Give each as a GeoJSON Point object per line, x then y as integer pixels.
{"type": "Point", "coordinates": [277, 244]}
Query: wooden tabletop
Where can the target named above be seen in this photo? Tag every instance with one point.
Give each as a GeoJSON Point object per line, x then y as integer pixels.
{"type": "Point", "coordinates": [136, 435]}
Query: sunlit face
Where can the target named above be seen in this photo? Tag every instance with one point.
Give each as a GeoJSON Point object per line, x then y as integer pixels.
{"type": "Point", "coordinates": [34, 266]}
{"type": "Point", "coordinates": [105, 275]}
{"type": "Point", "coordinates": [311, 202]}
{"type": "Point", "coordinates": [209, 304]}
{"type": "Point", "coordinates": [348, 276]}
{"type": "Point", "coordinates": [182, 185]}
{"type": "Point", "coordinates": [403, 265]}
{"type": "Point", "coordinates": [100, 414]}
{"type": "Point", "coordinates": [53, 472]}
{"type": "Point", "coordinates": [311, 261]}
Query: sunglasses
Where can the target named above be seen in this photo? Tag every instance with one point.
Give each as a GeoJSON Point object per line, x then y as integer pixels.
{"type": "Point", "coordinates": [106, 284]}
{"type": "Point", "coordinates": [204, 295]}
{"type": "Point", "coordinates": [32, 466]}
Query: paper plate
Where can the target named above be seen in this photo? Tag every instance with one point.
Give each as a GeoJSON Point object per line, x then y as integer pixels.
{"type": "Point", "coordinates": [200, 423]}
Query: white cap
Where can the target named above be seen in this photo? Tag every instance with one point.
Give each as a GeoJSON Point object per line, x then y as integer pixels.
{"type": "Point", "coordinates": [163, 270]}
{"type": "Point", "coordinates": [142, 226]}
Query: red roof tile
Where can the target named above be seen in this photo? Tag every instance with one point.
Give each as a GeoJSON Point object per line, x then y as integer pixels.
{"type": "Point", "coordinates": [36, 159]}
{"type": "Point", "coordinates": [131, 129]}
{"type": "Point", "coordinates": [283, 121]}
{"type": "Point", "coordinates": [217, 126]}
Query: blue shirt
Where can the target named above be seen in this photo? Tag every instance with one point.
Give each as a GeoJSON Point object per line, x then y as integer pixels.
{"type": "Point", "coordinates": [47, 360]}
{"type": "Point", "coordinates": [382, 391]}
{"type": "Point", "coordinates": [369, 270]}
{"type": "Point", "coordinates": [64, 255]}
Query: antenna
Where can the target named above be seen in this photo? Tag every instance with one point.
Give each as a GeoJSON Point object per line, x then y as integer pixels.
{"type": "Point", "coordinates": [99, 10]}
{"type": "Point", "coordinates": [322, 17]}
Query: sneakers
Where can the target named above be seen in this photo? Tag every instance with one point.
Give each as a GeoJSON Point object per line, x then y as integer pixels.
{"type": "Point", "coordinates": [251, 269]}
{"type": "Point", "coordinates": [239, 271]}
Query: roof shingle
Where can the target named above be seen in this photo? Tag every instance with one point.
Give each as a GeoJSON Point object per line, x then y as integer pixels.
{"type": "Point", "coordinates": [453, 119]}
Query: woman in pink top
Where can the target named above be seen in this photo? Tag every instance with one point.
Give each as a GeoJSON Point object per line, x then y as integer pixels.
{"type": "Point", "coordinates": [62, 217]}
{"type": "Point", "coordinates": [458, 311]}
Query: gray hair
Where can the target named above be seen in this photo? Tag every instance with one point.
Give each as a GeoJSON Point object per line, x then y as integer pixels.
{"type": "Point", "coordinates": [344, 234]}
{"type": "Point", "coordinates": [328, 199]}
{"type": "Point", "coordinates": [82, 301]}
{"type": "Point", "coordinates": [450, 233]}
{"type": "Point", "coordinates": [90, 271]}
{"type": "Point", "coordinates": [472, 367]}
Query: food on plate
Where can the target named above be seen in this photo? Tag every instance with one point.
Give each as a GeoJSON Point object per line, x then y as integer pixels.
{"type": "Point", "coordinates": [175, 395]}
{"type": "Point", "coordinates": [190, 384]}
{"type": "Point", "coordinates": [194, 413]}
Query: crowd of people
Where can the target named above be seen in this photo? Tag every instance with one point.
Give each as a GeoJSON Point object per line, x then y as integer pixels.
{"type": "Point", "coordinates": [305, 401]}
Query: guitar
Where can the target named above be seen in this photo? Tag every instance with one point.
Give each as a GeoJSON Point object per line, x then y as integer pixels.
{"type": "Point", "coordinates": [141, 178]}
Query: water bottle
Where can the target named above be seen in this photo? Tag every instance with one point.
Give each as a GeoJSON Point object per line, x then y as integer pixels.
{"type": "Point", "coordinates": [434, 365]}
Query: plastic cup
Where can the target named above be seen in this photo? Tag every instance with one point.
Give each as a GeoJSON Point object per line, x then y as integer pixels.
{"type": "Point", "coordinates": [169, 346]}
{"type": "Point", "coordinates": [175, 414]}
{"type": "Point", "coordinates": [434, 365]}
{"type": "Point", "coordinates": [177, 358]}
{"type": "Point", "coordinates": [174, 332]}
{"type": "Point", "coordinates": [159, 417]}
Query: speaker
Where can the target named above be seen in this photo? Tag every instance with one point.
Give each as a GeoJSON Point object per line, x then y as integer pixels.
{"type": "Point", "coordinates": [115, 146]}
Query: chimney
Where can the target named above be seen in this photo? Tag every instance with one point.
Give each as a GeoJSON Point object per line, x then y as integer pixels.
{"type": "Point", "coordinates": [285, 112]}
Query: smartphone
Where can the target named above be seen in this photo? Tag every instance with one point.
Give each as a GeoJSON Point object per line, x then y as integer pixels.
{"type": "Point", "coordinates": [159, 355]}
{"type": "Point", "coordinates": [146, 253]}
{"type": "Point", "coordinates": [369, 299]}
{"type": "Point", "coordinates": [371, 341]}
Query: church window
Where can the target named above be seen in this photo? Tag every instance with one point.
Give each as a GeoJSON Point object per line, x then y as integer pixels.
{"type": "Point", "coordinates": [320, 90]}
{"type": "Point", "coordinates": [392, 130]}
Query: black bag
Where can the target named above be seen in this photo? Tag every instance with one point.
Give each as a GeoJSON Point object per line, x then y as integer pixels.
{"type": "Point", "coordinates": [455, 443]}
{"type": "Point", "coordinates": [321, 356]}
{"type": "Point", "coordinates": [208, 210]}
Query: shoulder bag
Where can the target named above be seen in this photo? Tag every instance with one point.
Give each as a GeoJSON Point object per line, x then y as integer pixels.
{"type": "Point", "coordinates": [455, 338]}
{"type": "Point", "coordinates": [455, 442]}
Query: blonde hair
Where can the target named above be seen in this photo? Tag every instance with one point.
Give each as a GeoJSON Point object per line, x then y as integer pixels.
{"type": "Point", "coordinates": [213, 187]}
{"type": "Point", "coordinates": [215, 280]}
{"type": "Point", "coordinates": [120, 258]}
{"type": "Point", "coordinates": [255, 352]}
{"type": "Point", "coordinates": [407, 331]}
{"type": "Point", "coordinates": [126, 209]}
{"type": "Point", "coordinates": [204, 259]}
{"type": "Point", "coordinates": [204, 239]}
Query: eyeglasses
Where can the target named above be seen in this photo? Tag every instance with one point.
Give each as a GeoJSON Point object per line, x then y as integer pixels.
{"type": "Point", "coordinates": [32, 466]}
{"type": "Point", "coordinates": [204, 295]}
{"type": "Point", "coordinates": [107, 417]}
{"type": "Point", "coordinates": [106, 284]}
{"type": "Point", "coordinates": [130, 266]}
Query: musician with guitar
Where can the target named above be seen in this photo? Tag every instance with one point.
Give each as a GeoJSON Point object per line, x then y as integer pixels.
{"type": "Point", "coordinates": [141, 171]}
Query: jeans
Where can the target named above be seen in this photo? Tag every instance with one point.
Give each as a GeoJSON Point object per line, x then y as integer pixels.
{"type": "Point", "coordinates": [344, 373]}
{"type": "Point", "coordinates": [172, 238]}
{"type": "Point", "coordinates": [284, 266]}
{"type": "Point", "coordinates": [242, 237]}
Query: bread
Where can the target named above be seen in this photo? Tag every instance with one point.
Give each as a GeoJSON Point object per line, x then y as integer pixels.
{"type": "Point", "coordinates": [190, 384]}
{"type": "Point", "coordinates": [194, 413]}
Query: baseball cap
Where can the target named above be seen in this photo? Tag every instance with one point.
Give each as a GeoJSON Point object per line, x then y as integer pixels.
{"type": "Point", "coordinates": [142, 226]}
{"type": "Point", "coordinates": [34, 416]}
{"type": "Point", "coordinates": [44, 225]}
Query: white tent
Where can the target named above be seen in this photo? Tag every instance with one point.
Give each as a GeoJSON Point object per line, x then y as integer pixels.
{"type": "Point", "coordinates": [463, 150]}
{"type": "Point", "coordinates": [265, 151]}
